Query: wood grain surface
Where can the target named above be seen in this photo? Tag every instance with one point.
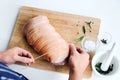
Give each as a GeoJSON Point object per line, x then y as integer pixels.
{"type": "Point", "coordinates": [69, 26]}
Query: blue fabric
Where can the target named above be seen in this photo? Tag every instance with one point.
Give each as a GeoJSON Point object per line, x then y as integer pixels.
{"type": "Point", "coordinates": [7, 74]}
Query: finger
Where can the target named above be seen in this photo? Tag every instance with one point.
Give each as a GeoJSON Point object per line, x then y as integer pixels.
{"type": "Point", "coordinates": [83, 50]}
{"type": "Point", "coordinates": [24, 59]}
{"type": "Point", "coordinates": [80, 50]}
{"type": "Point", "coordinates": [72, 49]}
{"type": "Point", "coordinates": [25, 53]}
{"type": "Point", "coordinates": [29, 55]}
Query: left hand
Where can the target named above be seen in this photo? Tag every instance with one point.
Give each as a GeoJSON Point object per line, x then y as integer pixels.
{"type": "Point", "coordinates": [12, 55]}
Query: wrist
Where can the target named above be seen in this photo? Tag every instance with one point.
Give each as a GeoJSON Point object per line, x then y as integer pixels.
{"type": "Point", "coordinates": [75, 71]}
{"type": "Point", "coordinates": [1, 56]}
{"type": "Point", "coordinates": [75, 75]}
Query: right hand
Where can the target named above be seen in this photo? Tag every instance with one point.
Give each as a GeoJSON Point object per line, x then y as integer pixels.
{"type": "Point", "coordinates": [78, 60]}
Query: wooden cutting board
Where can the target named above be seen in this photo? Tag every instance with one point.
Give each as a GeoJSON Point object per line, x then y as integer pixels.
{"type": "Point", "coordinates": [69, 26]}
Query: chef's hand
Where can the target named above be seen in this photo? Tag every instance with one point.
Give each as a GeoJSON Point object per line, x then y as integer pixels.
{"type": "Point", "coordinates": [78, 62]}
{"type": "Point", "coordinates": [15, 54]}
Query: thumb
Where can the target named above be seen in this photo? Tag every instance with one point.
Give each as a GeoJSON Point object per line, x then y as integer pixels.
{"type": "Point", "coordinates": [23, 59]}
{"type": "Point", "coordinates": [72, 49]}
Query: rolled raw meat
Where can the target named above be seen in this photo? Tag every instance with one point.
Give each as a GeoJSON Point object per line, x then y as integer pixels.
{"type": "Point", "coordinates": [42, 36]}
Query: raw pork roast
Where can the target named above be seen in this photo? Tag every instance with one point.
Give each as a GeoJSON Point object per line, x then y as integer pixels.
{"type": "Point", "coordinates": [42, 36]}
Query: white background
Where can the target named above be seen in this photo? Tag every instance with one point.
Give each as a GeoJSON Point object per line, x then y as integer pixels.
{"type": "Point", "coordinates": [107, 10]}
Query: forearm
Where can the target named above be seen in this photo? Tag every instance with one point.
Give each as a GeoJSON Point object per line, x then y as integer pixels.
{"type": "Point", "coordinates": [74, 75]}
{"type": "Point", "coordinates": [0, 55]}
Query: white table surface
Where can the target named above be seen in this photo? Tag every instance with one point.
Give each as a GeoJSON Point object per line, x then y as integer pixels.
{"type": "Point", "coordinates": [107, 10]}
